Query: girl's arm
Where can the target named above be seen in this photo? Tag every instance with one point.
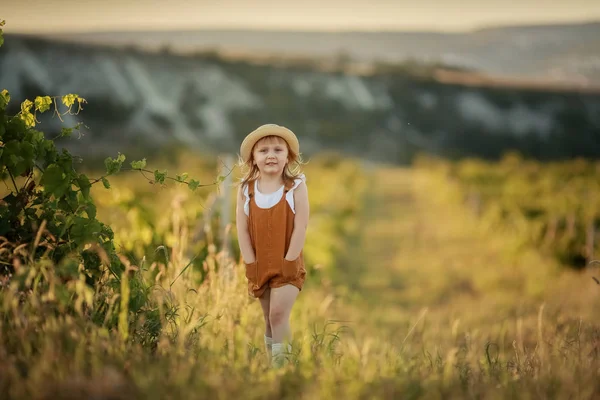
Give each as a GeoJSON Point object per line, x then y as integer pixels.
{"type": "Point", "coordinates": [241, 223]}
{"type": "Point", "coordinates": [300, 222]}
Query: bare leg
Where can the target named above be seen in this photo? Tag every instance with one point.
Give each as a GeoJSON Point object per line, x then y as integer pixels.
{"type": "Point", "coordinates": [265, 301]}
{"type": "Point", "coordinates": [282, 301]}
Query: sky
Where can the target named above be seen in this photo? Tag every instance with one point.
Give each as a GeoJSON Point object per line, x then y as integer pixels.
{"type": "Point", "coordinates": [39, 16]}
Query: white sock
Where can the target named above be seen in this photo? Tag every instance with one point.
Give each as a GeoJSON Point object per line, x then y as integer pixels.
{"type": "Point", "coordinates": [268, 345]}
{"type": "Point", "coordinates": [279, 354]}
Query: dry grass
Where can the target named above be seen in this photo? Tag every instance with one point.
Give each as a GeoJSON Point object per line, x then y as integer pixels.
{"type": "Point", "coordinates": [425, 304]}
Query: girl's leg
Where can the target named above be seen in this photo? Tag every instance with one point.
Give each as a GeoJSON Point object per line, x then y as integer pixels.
{"type": "Point", "coordinates": [265, 301]}
{"type": "Point", "coordinates": [282, 300]}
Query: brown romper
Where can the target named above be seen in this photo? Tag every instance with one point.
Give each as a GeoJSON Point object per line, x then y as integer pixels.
{"type": "Point", "coordinates": [270, 234]}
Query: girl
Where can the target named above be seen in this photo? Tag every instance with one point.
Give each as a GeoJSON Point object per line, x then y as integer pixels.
{"type": "Point", "coordinates": [271, 219]}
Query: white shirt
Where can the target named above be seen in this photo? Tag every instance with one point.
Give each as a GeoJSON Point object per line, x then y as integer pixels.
{"type": "Point", "coordinates": [269, 200]}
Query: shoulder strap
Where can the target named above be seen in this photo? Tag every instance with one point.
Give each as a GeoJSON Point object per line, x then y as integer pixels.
{"type": "Point", "coordinates": [251, 188]}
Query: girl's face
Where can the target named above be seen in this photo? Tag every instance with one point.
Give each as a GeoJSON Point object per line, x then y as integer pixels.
{"type": "Point", "coordinates": [271, 155]}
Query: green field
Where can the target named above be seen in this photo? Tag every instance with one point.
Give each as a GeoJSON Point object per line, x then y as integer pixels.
{"type": "Point", "coordinates": [411, 293]}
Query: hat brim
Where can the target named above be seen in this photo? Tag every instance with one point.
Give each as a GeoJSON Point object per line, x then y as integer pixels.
{"type": "Point", "coordinates": [268, 130]}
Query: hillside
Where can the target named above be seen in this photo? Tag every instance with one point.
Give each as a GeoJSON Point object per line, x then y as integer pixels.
{"type": "Point", "coordinates": [149, 100]}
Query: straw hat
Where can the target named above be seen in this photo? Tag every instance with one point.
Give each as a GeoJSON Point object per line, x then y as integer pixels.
{"type": "Point", "coordinates": [268, 130]}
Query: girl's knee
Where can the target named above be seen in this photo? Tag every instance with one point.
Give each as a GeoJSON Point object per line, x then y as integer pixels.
{"type": "Point", "coordinates": [277, 315]}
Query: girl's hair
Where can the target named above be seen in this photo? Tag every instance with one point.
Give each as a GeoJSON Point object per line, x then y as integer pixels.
{"type": "Point", "coordinates": [289, 172]}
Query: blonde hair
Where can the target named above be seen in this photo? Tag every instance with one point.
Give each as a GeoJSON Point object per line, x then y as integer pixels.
{"type": "Point", "coordinates": [289, 172]}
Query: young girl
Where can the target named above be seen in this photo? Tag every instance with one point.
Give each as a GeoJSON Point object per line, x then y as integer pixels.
{"type": "Point", "coordinates": [271, 220]}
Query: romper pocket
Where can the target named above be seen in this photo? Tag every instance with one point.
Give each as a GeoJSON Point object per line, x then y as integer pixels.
{"type": "Point", "coordinates": [290, 269]}
{"type": "Point", "coordinates": [251, 273]}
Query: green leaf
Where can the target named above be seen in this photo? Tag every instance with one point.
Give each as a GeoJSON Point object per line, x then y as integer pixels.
{"type": "Point", "coordinates": [28, 118]}
{"type": "Point", "coordinates": [182, 177]}
{"type": "Point", "coordinates": [69, 99]}
{"type": "Point", "coordinates": [42, 103]}
{"type": "Point", "coordinates": [138, 164]}
{"type": "Point", "coordinates": [64, 205]}
{"type": "Point", "coordinates": [65, 160]}
{"type": "Point", "coordinates": [113, 166]}
{"type": "Point", "coordinates": [55, 181]}
{"type": "Point", "coordinates": [11, 156]}
{"type": "Point", "coordinates": [35, 137]}
{"type": "Point", "coordinates": [220, 179]}
{"type": "Point", "coordinates": [26, 106]}
{"type": "Point", "coordinates": [47, 152]}
{"type": "Point", "coordinates": [17, 157]}
{"type": "Point", "coordinates": [4, 99]}
{"type": "Point", "coordinates": [14, 159]}
{"type": "Point", "coordinates": [90, 210]}
{"type": "Point", "coordinates": [106, 183]}
{"type": "Point", "coordinates": [66, 132]}
{"type": "Point", "coordinates": [26, 156]}
{"type": "Point", "coordinates": [84, 184]}
{"type": "Point", "coordinates": [193, 184]}
{"type": "Point", "coordinates": [84, 230]}
{"type": "Point", "coordinates": [159, 176]}
{"type": "Point", "coordinates": [26, 114]}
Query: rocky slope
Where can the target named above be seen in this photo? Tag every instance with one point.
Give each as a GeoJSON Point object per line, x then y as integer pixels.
{"type": "Point", "coordinates": [152, 99]}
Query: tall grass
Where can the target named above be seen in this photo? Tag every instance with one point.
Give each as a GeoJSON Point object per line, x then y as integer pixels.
{"type": "Point", "coordinates": [167, 330]}
{"type": "Point", "coordinates": [210, 344]}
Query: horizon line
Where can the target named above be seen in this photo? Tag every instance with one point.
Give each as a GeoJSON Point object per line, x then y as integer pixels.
{"type": "Point", "coordinates": [142, 29]}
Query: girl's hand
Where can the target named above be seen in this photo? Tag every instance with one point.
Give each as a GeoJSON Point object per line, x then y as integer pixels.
{"type": "Point", "coordinates": [241, 223]}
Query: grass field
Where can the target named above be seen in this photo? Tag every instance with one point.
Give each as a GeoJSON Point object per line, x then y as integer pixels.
{"type": "Point", "coordinates": [409, 296]}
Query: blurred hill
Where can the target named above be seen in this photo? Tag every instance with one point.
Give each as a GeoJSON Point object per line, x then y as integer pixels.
{"type": "Point", "coordinates": [384, 111]}
{"type": "Point", "coordinates": [562, 52]}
